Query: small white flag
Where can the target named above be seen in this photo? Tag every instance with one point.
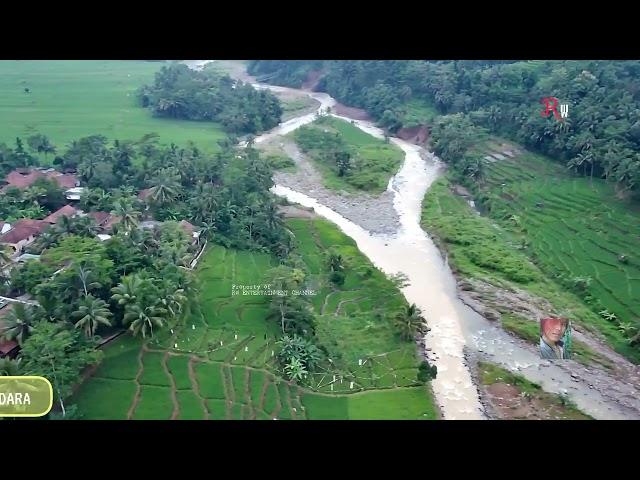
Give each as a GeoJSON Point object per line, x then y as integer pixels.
{"type": "Point", "coordinates": [246, 348]}
{"type": "Point", "coordinates": [175, 345]}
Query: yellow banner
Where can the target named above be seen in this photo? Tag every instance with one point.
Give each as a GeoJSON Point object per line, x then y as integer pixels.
{"type": "Point", "coordinates": [25, 396]}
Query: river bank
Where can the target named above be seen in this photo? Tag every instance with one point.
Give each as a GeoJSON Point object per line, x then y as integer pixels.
{"type": "Point", "coordinates": [459, 335]}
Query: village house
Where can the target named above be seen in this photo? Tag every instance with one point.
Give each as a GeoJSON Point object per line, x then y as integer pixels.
{"type": "Point", "coordinates": [24, 178]}
{"type": "Point", "coordinates": [66, 211]}
{"type": "Point", "coordinates": [104, 220]}
{"type": "Point", "coordinates": [23, 233]}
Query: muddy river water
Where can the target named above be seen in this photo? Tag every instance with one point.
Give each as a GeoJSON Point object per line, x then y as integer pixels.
{"type": "Point", "coordinates": [455, 328]}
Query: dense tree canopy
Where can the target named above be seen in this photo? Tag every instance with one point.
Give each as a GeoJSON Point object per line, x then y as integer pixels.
{"type": "Point", "coordinates": [181, 92]}
{"type": "Point", "coordinates": [600, 137]}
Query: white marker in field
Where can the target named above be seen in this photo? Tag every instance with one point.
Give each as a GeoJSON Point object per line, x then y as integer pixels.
{"type": "Point", "coordinates": [246, 348]}
{"type": "Point", "coordinates": [236, 336]}
{"type": "Point", "coordinates": [351, 385]}
{"type": "Point", "coordinates": [359, 362]}
{"type": "Point", "coordinates": [175, 345]}
{"type": "Point", "coordinates": [193, 327]}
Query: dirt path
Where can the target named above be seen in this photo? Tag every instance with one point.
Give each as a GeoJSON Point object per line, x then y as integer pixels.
{"type": "Point", "coordinates": [174, 398]}
{"type": "Point", "coordinates": [195, 387]}
{"type": "Point", "coordinates": [136, 397]}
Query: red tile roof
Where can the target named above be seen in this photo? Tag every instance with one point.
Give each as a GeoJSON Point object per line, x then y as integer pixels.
{"type": "Point", "coordinates": [64, 180]}
{"type": "Point", "coordinates": [23, 229]}
{"type": "Point", "coordinates": [99, 217]}
{"type": "Point", "coordinates": [187, 227]}
{"type": "Point", "coordinates": [113, 219]}
{"type": "Point", "coordinates": [7, 347]}
{"type": "Point", "coordinates": [67, 211]}
{"type": "Point", "coordinates": [22, 179]}
{"type": "Point", "coordinates": [16, 179]}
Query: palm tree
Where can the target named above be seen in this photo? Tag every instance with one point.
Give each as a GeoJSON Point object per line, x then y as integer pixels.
{"type": "Point", "coordinates": [86, 277]}
{"type": "Point", "coordinates": [20, 322]}
{"type": "Point", "coordinates": [336, 262]}
{"type": "Point", "coordinates": [174, 302]}
{"type": "Point", "coordinates": [128, 290]}
{"type": "Point", "coordinates": [163, 193]}
{"type": "Point", "coordinates": [409, 321]}
{"type": "Point", "coordinates": [64, 226]}
{"type": "Point", "coordinates": [5, 258]}
{"type": "Point", "coordinates": [128, 215]}
{"type": "Point", "coordinates": [295, 369]}
{"type": "Point", "coordinates": [9, 368]}
{"type": "Point", "coordinates": [91, 313]}
{"type": "Point", "coordinates": [142, 319]}
{"type": "Point", "coordinates": [626, 328]}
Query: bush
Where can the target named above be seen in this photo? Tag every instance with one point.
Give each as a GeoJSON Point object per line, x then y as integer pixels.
{"type": "Point", "coordinates": [426, 372]}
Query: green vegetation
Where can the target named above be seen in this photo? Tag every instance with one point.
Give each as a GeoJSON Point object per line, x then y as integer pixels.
{"type": "Point", "coordinates": [530, 394]}
{"type": "Point", "coordinates": [181, 92]}
{"type": "Point", "coordinates": [289, 73]}
{"type": "Point", "coordinates": [234, 347]}
{"type": "Point", "coordinates": [348, 158]}
{"type": "Point", "coordinates": [296, 106]}
{"type": "Point", "coordinates": [70, 99]}
{"type": "Point", "coordinates": [599, 139]}
{"type": "Point", "coordinates": [479, 248]}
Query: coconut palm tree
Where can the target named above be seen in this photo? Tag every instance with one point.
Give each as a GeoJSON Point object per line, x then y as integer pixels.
{"type": "Point", "coordinates": [128, 291]}
{"type": "Point", "coordinates": [129, 216]}
{"type": "Point", "coordinates": [19, 323]}
{"type": "Point", "coordinates": [91, 313]}
{"type": "Point", "coordinates": [174, 302]}
{"type": "Point", "coordinates": [409, 321]}
{"type": "Point", "coordinates": [9, 368]}
{"type": "Point", "coordinates": [87, 278]}
{"type": "Point", "coordinates": [143, 319]}
{"type": "Point", "coordinates": [295, 369]}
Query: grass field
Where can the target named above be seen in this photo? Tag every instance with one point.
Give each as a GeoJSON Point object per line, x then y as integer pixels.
{"type": "Point", "coordinates": [566, 233]}
{"type": "Point", "coordinates": [71, 99]}
{"type": "Point", "coordinates": [418, 112]}
{"type": "Point", "coordinates": [220, 363]}
{"type": "Point", "coordinates": [373, 161]}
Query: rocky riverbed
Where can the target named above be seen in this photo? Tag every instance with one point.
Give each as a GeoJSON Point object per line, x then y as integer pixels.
{"type": "Point", "coordinates": [373, 213]}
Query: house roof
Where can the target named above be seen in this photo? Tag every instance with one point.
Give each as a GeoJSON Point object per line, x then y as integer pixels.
{"type": "Point", "coordinates": [66, 211]}
{"type": "Point", "coordinates": [23, 229]}
{"type": "Point", "coordinates": [22, 178]}
{"type": "Point", "coordinates": [100, 217]}
{"type": "Point", "coordinates": [64, 180]}
{"type": "Point", "coordinates": [188, 227]}
{"type": "Point", "coordinates": [7, 347]}
{"type": "Point", "coordinates": [111, 221]}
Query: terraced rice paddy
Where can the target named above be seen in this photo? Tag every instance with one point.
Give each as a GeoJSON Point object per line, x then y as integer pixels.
{"type": "Point", "coordinates": [221, 363]}
{"type": "Point", "coordinates": [575, 227]}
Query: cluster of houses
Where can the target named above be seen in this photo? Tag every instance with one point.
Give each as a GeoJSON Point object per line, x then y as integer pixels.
{"type": "Point", "coordinates": [20, 234]}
